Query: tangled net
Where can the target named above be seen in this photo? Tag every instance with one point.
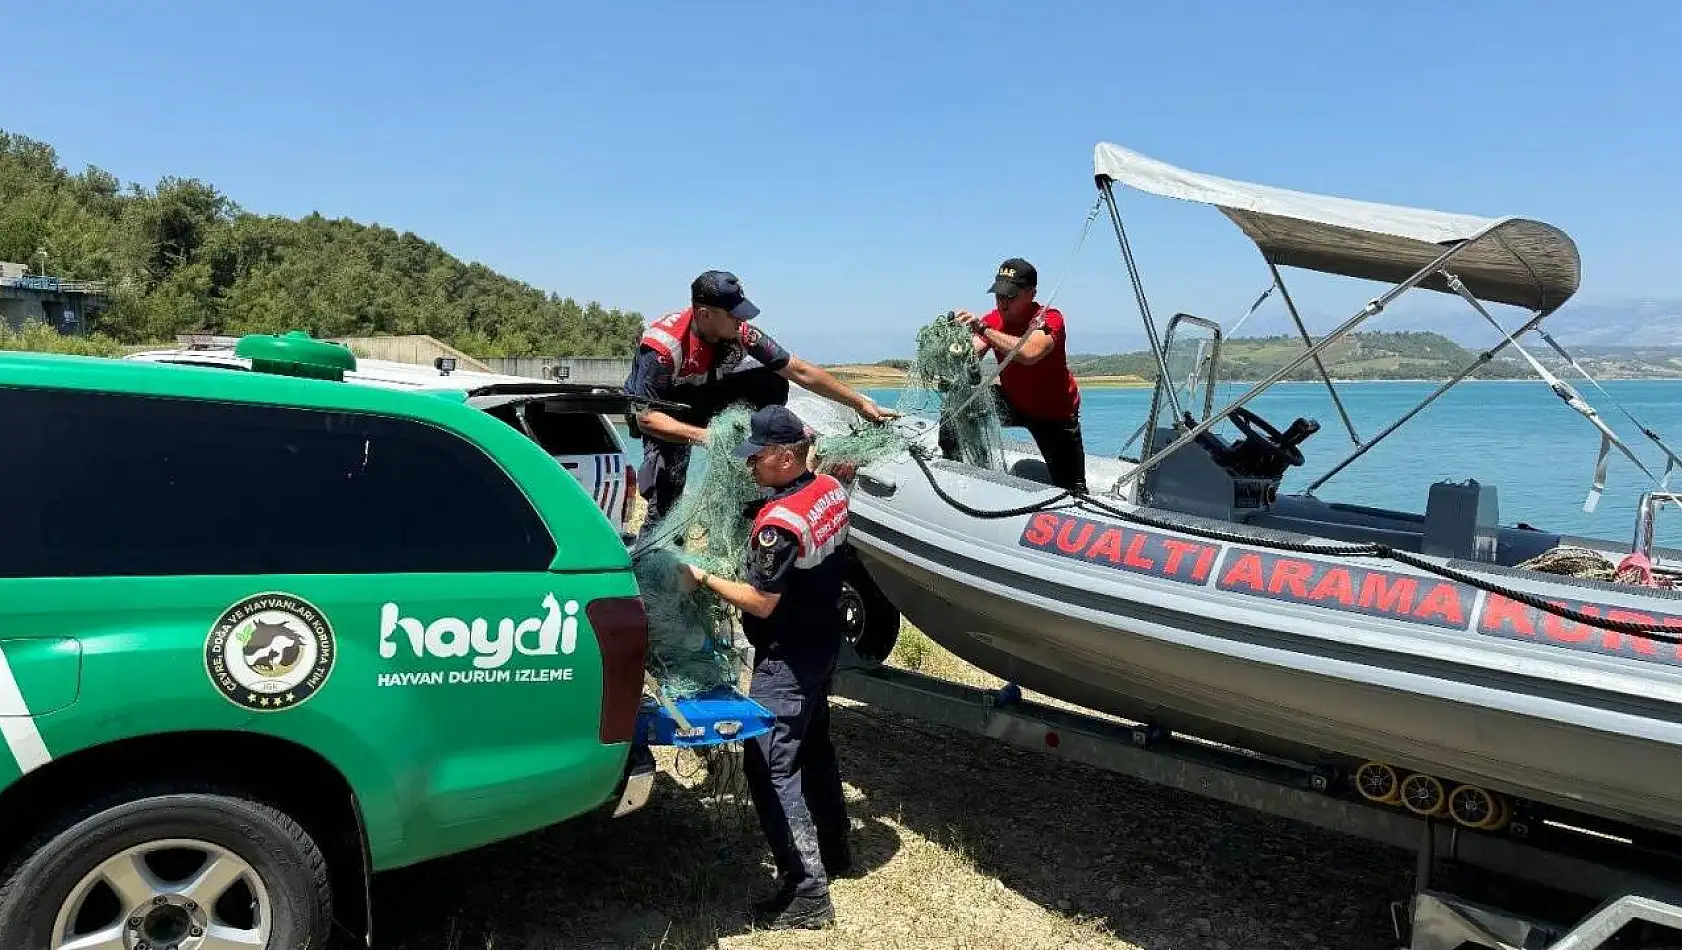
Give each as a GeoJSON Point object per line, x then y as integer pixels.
{"type": "Point", "coordinates": [947, 366]}
{"type": "Point", "coordinates": [1572, 561]}
{"type": "Point", "coordinates": [858, 448]}
{"type": "Point", "coordinates": [692, 643]}
{"type": "Point", "coordinates": [691, 646]}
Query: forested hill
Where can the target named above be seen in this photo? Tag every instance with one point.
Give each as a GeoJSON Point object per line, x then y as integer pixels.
{"type": "Point", "coordinates": [1369, 355]}
{"type": "Point", "coordinates": [183, 257]}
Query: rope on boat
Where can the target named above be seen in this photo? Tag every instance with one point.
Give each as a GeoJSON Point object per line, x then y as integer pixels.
{"type": "Point", "coordinates": [1662, 634]}
{"type": "Point", "coordinates": [1589, 564]}
{"type": "Point", "coordinates": [1572, 561]}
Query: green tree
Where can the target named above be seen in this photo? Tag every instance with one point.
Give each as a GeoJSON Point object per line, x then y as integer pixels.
{"type": "Point", "coordinates": [183, 257]}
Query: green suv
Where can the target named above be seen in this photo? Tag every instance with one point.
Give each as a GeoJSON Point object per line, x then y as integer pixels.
{"type": "Point", "coordinates": [264, 633]}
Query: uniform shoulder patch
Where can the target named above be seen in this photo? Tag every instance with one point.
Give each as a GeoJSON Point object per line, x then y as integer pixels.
{"type": "Point", "coordinates": [767, 537]}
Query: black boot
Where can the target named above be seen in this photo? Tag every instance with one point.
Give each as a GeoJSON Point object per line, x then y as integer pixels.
{"type": "Point", "coordinates": [785, 911]}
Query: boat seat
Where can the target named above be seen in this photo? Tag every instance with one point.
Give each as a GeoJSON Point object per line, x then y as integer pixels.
{"type": "Point", "coordinates": [1461, 521]}
{"type": "Point", "coordinates": [1398, 537]}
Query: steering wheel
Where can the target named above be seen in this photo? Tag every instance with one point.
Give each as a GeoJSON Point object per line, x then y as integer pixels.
{"type": "Point", "coordinates": [1211, 442]}
{"type": "Point", "coordinates": [1269, 442]}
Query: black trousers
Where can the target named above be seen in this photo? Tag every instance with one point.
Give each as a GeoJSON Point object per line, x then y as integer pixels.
{"type": "Point", "coordinates": [665, 465]}
{"type": "Point", "coordinates": [1059, 441]}
{"type": "Point", "coordinates": [793, 775]}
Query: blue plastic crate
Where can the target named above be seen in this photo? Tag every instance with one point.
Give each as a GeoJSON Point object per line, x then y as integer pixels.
{"type": "Point", "coordinates": [718, 716]}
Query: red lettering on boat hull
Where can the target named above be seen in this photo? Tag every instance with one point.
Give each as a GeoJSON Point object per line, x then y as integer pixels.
{"type": "Point", "coordinates": [1120, 547]}
{"type": "Point", "coordinates": [1510, 620]}
{"type": "Point", "coordinates": [1346, 587]}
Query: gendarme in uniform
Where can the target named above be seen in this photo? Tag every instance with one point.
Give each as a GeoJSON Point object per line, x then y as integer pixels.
{"type": "Point", "coordinates": [676, 362]}
{"type": "Point", "coordinates": [795, 555]}
{"type": "Point", "coordinates": [795, 550]}
{"type": "Point", "coordinates": [704, 358]}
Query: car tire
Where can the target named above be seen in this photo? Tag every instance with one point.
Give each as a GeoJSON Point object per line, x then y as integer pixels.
{"type": "Point", "coordinates": [260, 869]}
{"type": "Point", "coordinates": [870, 621]}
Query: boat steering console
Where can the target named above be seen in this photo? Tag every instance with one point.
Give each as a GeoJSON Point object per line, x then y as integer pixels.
{"type": "Point", "coordinates": [1263, 452]}
{"type": "Point", "coordinates": [1227, 481]}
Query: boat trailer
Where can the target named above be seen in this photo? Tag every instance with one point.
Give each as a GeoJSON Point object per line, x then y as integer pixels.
{"type": "Point", "coordinates": [1623, 890]}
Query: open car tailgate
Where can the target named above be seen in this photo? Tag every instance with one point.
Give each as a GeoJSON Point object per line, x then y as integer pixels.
{"type": "Point", "coordinates": [567, 397]}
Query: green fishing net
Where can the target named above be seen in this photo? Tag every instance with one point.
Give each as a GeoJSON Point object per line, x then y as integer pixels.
{"type": "Point", "coordinates": [858, 448]}
{"type": "Point", "coordinates": [691, 637]}
{"type": "Point", "coordinates": [947, 373]}
{"type": "Point", "coordinates": [691, 647]}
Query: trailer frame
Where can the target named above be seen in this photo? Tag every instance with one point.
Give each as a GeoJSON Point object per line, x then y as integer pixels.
{"type": "Point", "coordinates": [1631, 885]}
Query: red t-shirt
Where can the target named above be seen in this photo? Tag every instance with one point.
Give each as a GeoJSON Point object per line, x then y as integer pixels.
{"type": "Point", "coordinates": [1045, 390]}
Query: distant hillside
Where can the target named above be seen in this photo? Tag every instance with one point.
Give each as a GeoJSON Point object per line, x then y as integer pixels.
{"type": "Point", "coordinates": [1580, 324]}
{"type": "Point", "coordinates": [887, 374]}
{"type": "Point", "coordinates": [892, 374]}
{"type": "Point", "coordinates": [1394, 355]}
{"type": "Point", "coordinates": [1397, 355]}
{"type": "Point", "coordinates": [1619, 362]}
{"type": "Point", "coordinates": [185, 258]}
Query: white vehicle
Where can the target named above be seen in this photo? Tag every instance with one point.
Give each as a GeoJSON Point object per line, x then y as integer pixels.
{"type": "Point", "coordinates": [570, 421]}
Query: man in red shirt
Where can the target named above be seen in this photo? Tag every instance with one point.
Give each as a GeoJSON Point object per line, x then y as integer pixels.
{"type": "Point", "coordinates": [1036, 390]}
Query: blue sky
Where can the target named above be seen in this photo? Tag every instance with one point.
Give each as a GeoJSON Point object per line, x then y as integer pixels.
{"type": "Point", "coordinates": [863, 166]}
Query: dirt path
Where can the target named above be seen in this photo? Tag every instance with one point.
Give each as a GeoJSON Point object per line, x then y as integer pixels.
{"type": "Point", "coordinates": [964, 843]}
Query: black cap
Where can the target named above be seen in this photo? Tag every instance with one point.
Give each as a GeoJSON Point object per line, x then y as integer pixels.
{"type": "Point", "coordinates": [721, 289]}
{"type": "Point", "coordinates": [1014, 276]}
{"type": "Point", "coordinates": [773, 425]}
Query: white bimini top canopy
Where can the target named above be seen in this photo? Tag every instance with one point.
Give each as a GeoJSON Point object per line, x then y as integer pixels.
{"type": "Point", "coordinates": [1517, 261]}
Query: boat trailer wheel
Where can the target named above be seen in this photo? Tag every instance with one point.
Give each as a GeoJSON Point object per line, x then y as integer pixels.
{"type": "Point", "coordinates": [1424, 795]}
{"type": "Point", "coordinates": [852, 612]}
{"type": "Point", "coordinates": [1377, 782]}
{"type": "Point", "coordinates": [869, 621]}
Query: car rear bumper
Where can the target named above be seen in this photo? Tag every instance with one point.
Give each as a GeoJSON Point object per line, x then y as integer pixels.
{"type": "Point", "coordinates": [638, 786]}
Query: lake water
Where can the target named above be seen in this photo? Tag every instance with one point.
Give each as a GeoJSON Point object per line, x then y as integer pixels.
{"type": "Point", "coordinates": [1516, 435]}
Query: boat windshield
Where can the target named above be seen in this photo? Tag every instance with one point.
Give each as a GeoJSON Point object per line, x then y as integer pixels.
{"type": "Point", "coordinates": [1191, 352]}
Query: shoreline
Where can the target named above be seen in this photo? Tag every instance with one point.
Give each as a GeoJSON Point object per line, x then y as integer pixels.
{"type": "Point", "coordinates": [862, 381]}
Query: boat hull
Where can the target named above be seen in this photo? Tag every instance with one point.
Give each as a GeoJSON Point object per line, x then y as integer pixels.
{"type": "Point", "coordinates": [1595, 733]}
{"type": "Point", "coordinates": [1126, 667]}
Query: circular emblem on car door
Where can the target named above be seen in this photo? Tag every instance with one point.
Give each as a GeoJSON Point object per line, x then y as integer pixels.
{"type": "Point", "coordinates": [270, 651]}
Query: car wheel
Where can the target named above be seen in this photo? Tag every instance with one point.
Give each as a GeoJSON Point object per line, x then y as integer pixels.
{"type": "Point", "coordinates": [169, 870]}
{"type": "Point", "coordinates": [869, 621]}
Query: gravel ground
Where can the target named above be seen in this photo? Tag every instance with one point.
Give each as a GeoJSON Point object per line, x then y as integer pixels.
{"type": "Point", "coordinates": [962, 842]}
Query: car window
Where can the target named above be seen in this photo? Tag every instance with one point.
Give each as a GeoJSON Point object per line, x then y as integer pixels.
{"type": "Point", "coordinates": [100, 484]}
{"type": "Point", "coordinates": [567, 433]}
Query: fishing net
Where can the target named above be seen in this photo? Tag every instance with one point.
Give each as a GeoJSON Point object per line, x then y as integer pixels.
{"type": "Point", "coordinates": [1573, 561]}
{"type": "Point", "coordinates": [858, 448]}
{"type": "Point", "coordinates": [692, 643]}
{"type": "Point", "coordinates": [947, 373]}
{"type": "Point", "coordinates": [691, 646]}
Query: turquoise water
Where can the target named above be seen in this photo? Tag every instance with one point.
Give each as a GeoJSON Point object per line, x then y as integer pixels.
{"type": "Point", "coordinates": [1516, 435]}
